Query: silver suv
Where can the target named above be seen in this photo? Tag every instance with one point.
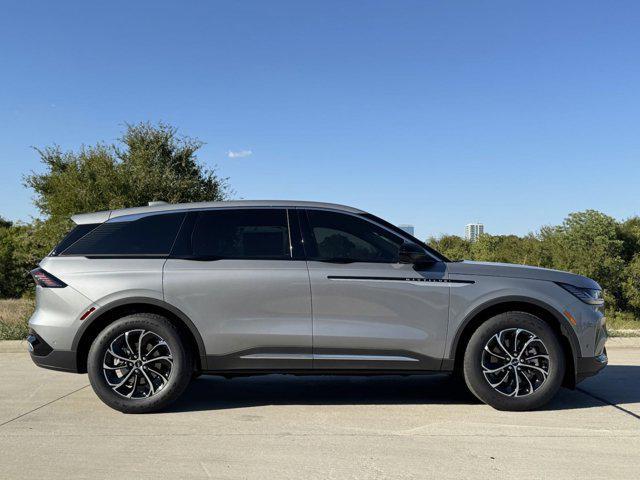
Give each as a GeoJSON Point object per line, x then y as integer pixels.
{"type": "Point", "coordinates": [144, 299]}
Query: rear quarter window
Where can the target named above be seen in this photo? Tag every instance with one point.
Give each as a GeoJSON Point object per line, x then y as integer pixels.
{"type": "Point", "coordinates": [72, 237]}
{"type": "Point", "coordinates": [150, 235]}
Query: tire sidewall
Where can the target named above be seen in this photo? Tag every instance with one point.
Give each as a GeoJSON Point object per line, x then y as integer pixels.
{"type": "Point", "coordinates": [180, 371]}
{"type": "Point", "coordinates": [476, 380]}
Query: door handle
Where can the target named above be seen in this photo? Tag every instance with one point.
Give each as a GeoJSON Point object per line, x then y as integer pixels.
{"type": "Point", "coordinates": [337, 260]}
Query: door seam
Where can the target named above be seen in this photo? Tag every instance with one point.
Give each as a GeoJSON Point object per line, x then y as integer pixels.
{"type": "Point", "coordinates": [312, 316]}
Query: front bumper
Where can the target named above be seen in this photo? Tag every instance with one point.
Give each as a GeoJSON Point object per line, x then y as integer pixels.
{"type": "Point", "coordinates": [46, 357]}
{"type": "Point", "coordinates": [591, 330]}
{"type": "Point", "coordinates": [589, 366]}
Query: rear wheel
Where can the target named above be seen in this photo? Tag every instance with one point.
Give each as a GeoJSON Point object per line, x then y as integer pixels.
{"type": "Point", "coordinates": [139, 364]}
{"type": "Point", "coordinates": [514, 361]}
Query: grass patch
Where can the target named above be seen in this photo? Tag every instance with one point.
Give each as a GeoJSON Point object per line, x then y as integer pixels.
{"type": "Point", "coordinates": [14, 315]}
{"type": "Point", "coordinates": [623, 324]}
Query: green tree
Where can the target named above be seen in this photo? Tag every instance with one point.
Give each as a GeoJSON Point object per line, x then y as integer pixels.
{"type": "Point", "coordinates": [631, 284]}
{"type": "Point", "coordinates": [156, 164]}
{"type": "Point", "coordinates": [451, 246]}
{"type": "Point", "coordinates": [12, 277]}
{"type": "Point", "coordinates": [587, 243]}
{"type": "Point", "coordinates": [150, 162]}
{"type": "Point", "coordinates": [509, 249]}
{"type": "Point", "coordinates": [629, 233]}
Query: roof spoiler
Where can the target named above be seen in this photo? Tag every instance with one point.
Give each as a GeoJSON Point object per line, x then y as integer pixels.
{"type": "Point", "coordinates": [95, 217]}
{"type": "Point", "coordinates": [103, 216]}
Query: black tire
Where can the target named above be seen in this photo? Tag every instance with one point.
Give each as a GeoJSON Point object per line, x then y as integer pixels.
{"type": "Point", "coordinates": [532, 398]}
{"type": "Point", "coordinates": [180, 372]}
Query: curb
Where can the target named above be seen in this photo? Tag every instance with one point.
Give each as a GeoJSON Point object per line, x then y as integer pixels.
{"type": "Point", "coordinates": [13, 346]}
{"type": "Point", "coordinates": [623, 342]}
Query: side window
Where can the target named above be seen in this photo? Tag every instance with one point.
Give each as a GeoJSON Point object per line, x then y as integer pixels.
{"type": "Point", "coordinates": [340, 237]}
{"type": "Point", "coordinates": [72, 237]}
{"type": "Point", "coordinates": [149, 235]}
{"type": "Point", "coordinates": [258, 234]}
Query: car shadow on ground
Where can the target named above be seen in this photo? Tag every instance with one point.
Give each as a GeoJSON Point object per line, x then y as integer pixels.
{"type": "Point", "coordinates": [617, 385]}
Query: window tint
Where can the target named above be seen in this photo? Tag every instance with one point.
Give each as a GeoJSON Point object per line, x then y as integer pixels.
{"type": "Point", "coordinates": [73, 236]}
{"type": "Point", "coordinates": [149, 235]}
{"type": "Point", "coordinates": [341, 237]}
{"type": "Point", "coordinates": [241, 234]}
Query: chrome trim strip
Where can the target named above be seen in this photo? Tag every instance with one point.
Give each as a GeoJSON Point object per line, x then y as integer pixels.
{"type": "Point", "coordinates": [422, 282]}
{"type": "Point", "coordinates": [289, 233]}
{"type": "Point", "coordinates": [383, 358]}
{"type": "Point", "coordinates": [278, 356]}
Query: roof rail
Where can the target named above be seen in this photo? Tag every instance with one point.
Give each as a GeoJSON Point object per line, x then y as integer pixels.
{"type": "Point", "coordinates": [157, 202]}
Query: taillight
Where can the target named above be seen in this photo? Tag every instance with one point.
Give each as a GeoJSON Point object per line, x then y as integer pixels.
{"type": "Point", "coordinates": [45, 279]}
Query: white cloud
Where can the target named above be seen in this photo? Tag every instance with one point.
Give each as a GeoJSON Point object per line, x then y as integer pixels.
{"type": "Point", "coordinates": [239, 153]}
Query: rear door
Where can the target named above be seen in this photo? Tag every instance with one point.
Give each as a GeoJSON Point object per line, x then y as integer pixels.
{"type": "Point", "coordinates": [240, 276]}
{"type": "Point", "coordinates": [370, 311]}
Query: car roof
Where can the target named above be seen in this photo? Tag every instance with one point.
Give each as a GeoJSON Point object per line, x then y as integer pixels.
{"type": "Point", "coordinates": [103, 216]}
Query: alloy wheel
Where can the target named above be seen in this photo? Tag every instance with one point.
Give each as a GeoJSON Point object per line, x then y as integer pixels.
{"type": "Point", "coordinates": [515, 362]}
{"type": "Point", "coordinates": [137, 364]}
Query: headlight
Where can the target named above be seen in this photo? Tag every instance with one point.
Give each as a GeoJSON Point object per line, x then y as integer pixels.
{"type": "Point", "coordinates": [591, 296]}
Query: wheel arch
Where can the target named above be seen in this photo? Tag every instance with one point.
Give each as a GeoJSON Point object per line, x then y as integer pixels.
{"type": "Point", "coordinates": [566, 335]}
{"type": "Point", "coordinates": [110, 312]}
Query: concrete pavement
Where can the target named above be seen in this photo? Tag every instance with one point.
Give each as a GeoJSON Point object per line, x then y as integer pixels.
{"type": "Point", "coordinates": [53, 426]}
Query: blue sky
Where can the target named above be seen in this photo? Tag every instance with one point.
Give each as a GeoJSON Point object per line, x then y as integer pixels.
{"type": "Point", "coordinates": [423, 112]}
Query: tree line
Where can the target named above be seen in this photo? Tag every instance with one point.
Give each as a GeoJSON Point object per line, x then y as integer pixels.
{"type": "Point", "coordinates": [153, 162]}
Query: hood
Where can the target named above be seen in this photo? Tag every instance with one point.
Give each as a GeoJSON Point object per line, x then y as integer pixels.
{"type": "Point", "coordinates": [467, 267]}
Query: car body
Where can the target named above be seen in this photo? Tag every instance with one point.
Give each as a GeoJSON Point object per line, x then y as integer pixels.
{"type": "Point", "coordinates": [295, 287]}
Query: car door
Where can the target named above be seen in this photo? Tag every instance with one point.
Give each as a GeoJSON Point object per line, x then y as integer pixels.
{"type": "Point", "coordinates": [369, 310]}
{"type": "Point", "coordinates": [240, 276]}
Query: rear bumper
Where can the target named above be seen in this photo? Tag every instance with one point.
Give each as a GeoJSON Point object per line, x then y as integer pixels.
{"type": "Point", "coordinates": [46, 357]}
{"type": "Point", "coordinates": [589, 366]}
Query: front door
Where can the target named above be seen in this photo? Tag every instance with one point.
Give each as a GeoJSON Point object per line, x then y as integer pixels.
{"type": "Point", "coordinates": [242, 280]}
{"type": "Point", "coordinates": [370, 311]}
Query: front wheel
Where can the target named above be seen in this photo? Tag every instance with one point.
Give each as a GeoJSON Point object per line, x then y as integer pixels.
{"type": "Point", "coordinates": [514, 361]}
{"type": "Point", "coordinates": [139, 364]}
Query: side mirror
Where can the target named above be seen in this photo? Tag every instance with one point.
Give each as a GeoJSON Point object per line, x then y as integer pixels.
{"type": "Point", "coordinates": [414, 254]}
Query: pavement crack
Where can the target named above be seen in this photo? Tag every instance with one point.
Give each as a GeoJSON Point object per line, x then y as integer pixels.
{"type": "Point", "coordinates": [204, 467]}
{"type": "Point", "coordinates": [604, 400]}
{"type": "Point", "coordinates": [42, 406]}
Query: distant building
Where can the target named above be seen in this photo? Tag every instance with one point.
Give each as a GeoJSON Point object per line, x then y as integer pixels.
{"type": "Point", "coordinates": [472, 231]}
{"type": "Point", "coordinates": [410, 229]}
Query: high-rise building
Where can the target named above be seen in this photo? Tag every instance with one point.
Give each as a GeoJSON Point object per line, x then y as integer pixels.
{"type": "Point", "coordinates": [410, 229]}
{"type": "Point", "coordinates": [472, 231]}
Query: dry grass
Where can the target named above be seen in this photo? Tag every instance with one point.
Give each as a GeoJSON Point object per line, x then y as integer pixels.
{"type": "Point", "coordinates": [14, 315]}
{"type": "Point", "coordinates": [623, 324]}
